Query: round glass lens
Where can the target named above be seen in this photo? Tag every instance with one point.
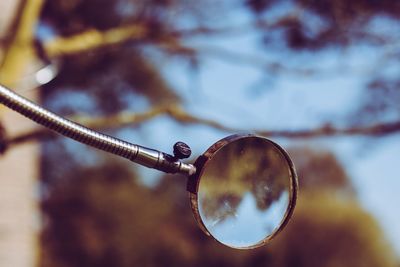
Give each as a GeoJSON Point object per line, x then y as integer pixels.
{"type": "Point", "coordinates": [245, 192]}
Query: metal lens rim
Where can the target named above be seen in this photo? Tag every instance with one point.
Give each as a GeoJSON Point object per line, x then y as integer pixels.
{"type": "Point", "coordinates": [201, 163]}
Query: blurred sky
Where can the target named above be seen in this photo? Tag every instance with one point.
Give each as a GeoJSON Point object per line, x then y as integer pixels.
{"type": "Point", "coordinates": [240, 95]}
{"type": "Point", "coordinates": [236, 95]}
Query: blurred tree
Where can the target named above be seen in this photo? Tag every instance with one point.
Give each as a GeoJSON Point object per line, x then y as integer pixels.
{"type": "Point", "coordinates": [111, 53]}
{"type": "Point", "coordinates": [102, 216]}
{"type": "Point", "coordinates": [320, 171]}
{"type": "Point", "coordinates": [338, 22]}
{"type": "Point", "coordinates": [316, 26]}
{"type": "Point", "coordinates": [107, 219]}
{"type": "Point", "coordinates": [329, 227]}
{"type": "Point", "coordinates": [329, 231]}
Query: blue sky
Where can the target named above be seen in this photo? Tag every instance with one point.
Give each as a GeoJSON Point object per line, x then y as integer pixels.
{"type": "Point", "coordinates": [239, 95]}
{"type": "Point", "coordinates": [234, 94]}
{"type": "Point", "coordinates": [372, 163]}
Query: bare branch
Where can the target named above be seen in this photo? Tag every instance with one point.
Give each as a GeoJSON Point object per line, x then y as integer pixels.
{"type": "Point", "coordinates": [19, 52]}
{"type": "Point", "coordinates": [172, 42]}
{"type": "Point", "coordinates": [251, 60]}
{"type": "Point", "coordinates": [378, 129]}
{"type": "Point", "coordinates": [178, 114]}
{"type": "Point", "coordinates": [93, 39]}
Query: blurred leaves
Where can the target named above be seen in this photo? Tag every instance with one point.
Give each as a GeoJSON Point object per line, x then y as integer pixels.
{"type": "Point", "coordinates": [109, 221]}
{"type": "Point", "coordinates": [114, 73]}
{"type": "Point", "coordinates": [328, 231]}
{"type": "Point", "coordinates": [158, 17]}
{"type": "Point", "coordinates": [314, 25]}
{"type": "Point", "coordinates": [320, 171]}
{"type": "Point", "coordinates": [97, 213]}
{"type": "Point", "coordinates": [380, 102]}
{"type": "Point", "coordinates": [103, 216]}
{"type": "Point", "coordinates": [254, 166]}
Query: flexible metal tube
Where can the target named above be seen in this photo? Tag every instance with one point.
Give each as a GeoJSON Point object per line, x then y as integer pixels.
{"type": "Point", "coordinates": [145, 156]}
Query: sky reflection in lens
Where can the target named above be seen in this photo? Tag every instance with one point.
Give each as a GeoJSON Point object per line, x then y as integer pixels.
{"type": "Point", "coordinates": [244, 192]}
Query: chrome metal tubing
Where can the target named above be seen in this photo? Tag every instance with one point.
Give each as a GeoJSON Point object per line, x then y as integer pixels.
{"type": "Point", "coordinates": [145, 156]}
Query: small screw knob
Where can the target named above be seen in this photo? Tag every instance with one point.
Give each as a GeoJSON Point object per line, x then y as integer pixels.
{"type": "Point", "coordinates": [182, 150]}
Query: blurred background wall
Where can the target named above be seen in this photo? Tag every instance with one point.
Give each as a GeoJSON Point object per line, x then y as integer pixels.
{"type": "Point", "coordinates": [19, 210]}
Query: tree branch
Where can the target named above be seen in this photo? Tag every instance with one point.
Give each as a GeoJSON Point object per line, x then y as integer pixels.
{"type": "Point", "coordinates": [20, 50]}
{"type": "Point", "coordinates": [251, 60]}
{"type": "Point", "coordinates": [172, 42]}
{"type": "Point", "coordinates": [178, 114]}
{"type": "Point", "coordinates": [93, 39]}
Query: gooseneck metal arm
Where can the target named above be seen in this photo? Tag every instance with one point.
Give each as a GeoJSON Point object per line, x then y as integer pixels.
{"type": "Point", "coordinates": [145, 156]}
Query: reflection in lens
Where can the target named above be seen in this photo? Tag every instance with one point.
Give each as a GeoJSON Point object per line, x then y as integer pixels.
{"type": "Point", "coordinates": [244, 192]}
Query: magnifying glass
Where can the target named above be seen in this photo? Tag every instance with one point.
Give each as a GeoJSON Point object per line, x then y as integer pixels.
{"type": "Point", "coordinates": [242, 190]}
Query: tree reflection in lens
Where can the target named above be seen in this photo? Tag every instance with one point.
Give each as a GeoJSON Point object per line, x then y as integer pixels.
{"type": "Point", "coordinates": [244, 192]}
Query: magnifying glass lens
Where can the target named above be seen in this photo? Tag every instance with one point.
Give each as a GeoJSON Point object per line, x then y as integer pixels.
{"type": "Point", "coordinates": [246, 191]}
